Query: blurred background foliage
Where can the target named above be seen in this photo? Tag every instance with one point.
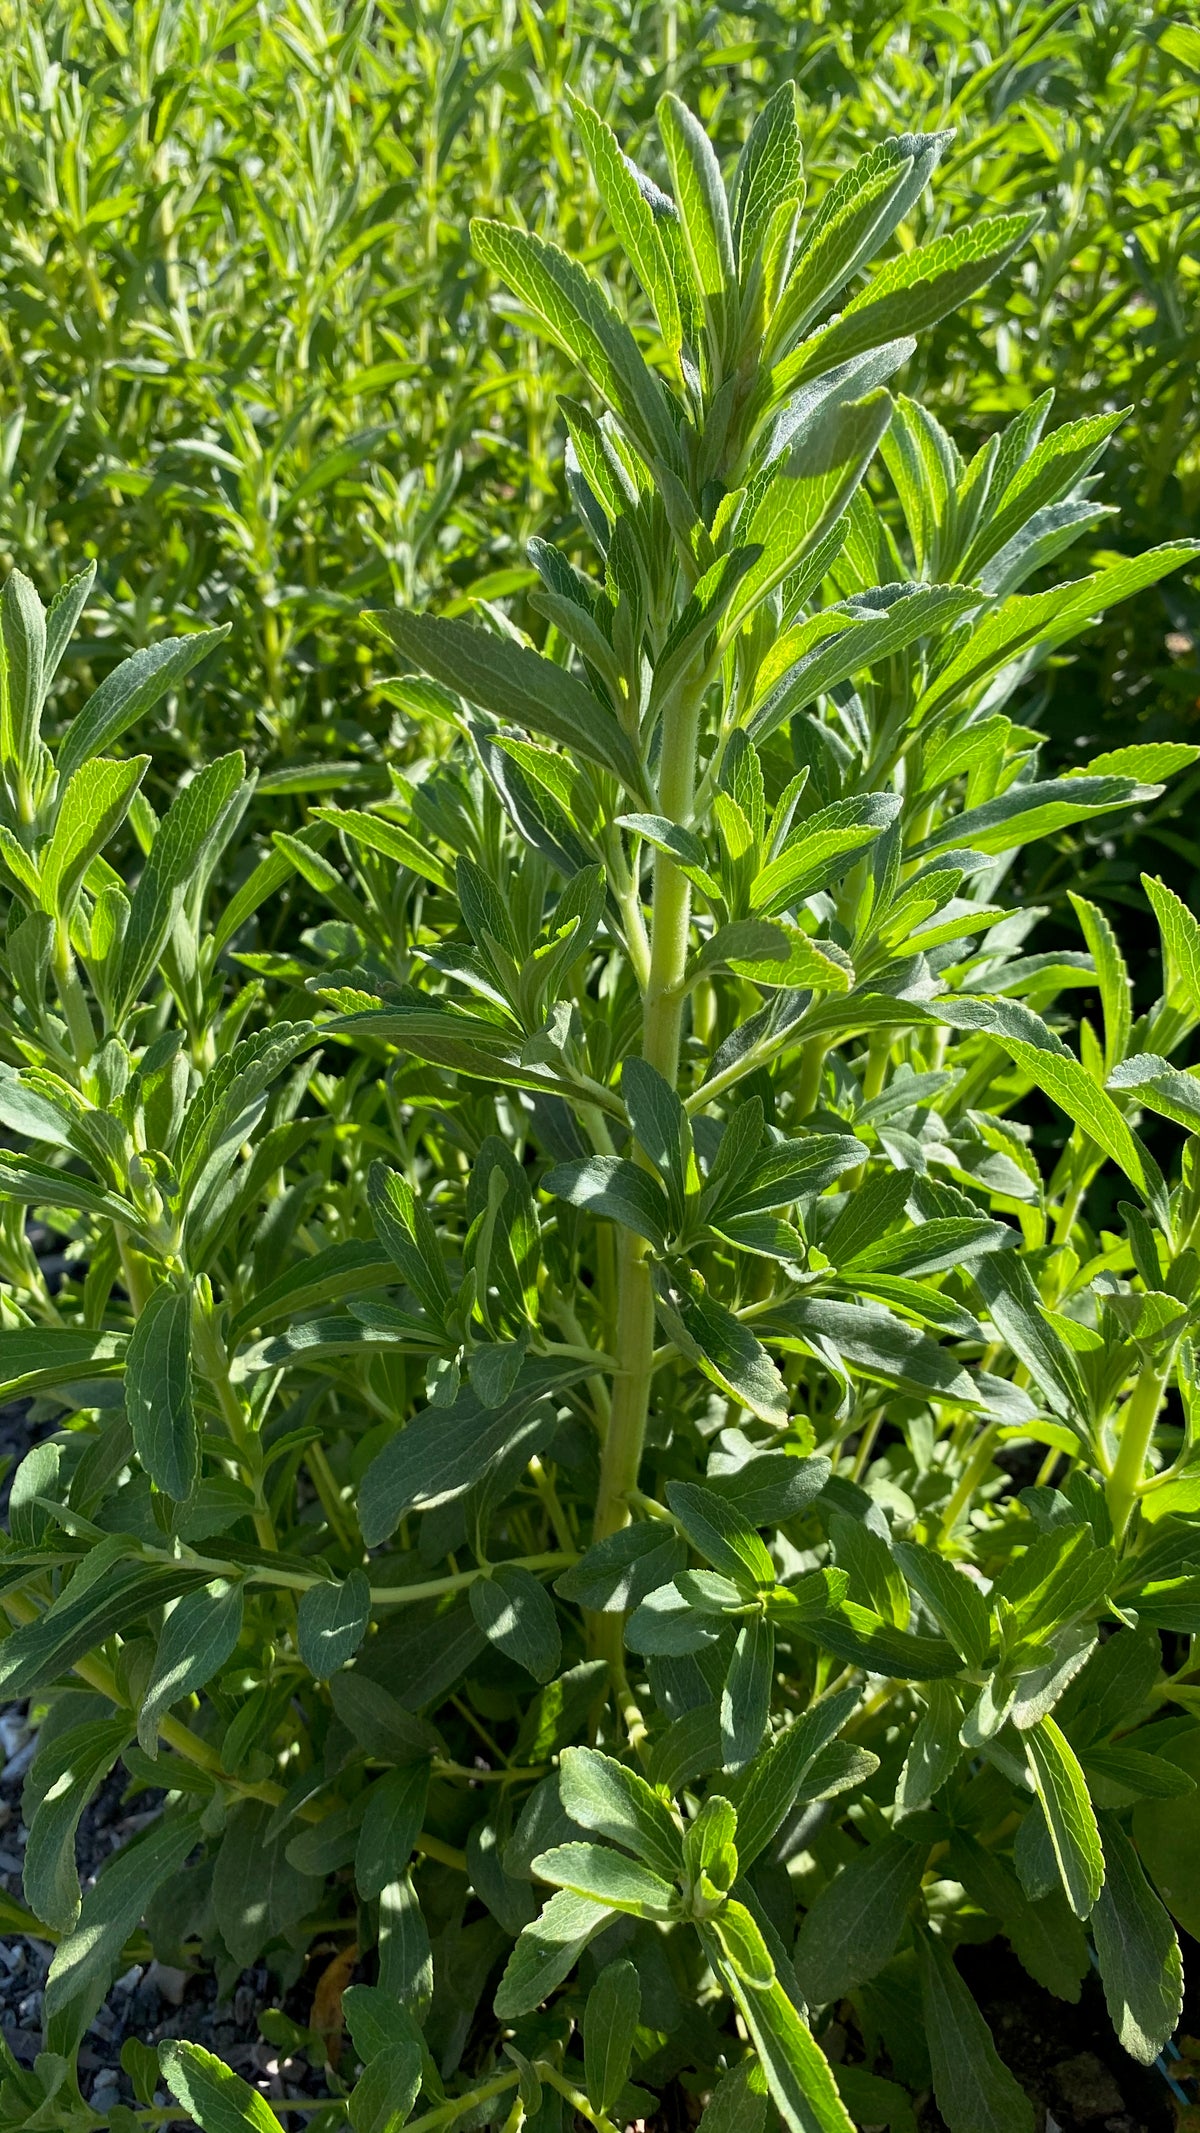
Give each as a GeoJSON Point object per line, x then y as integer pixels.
{"type": "Point", "coordinates": [248, 364]}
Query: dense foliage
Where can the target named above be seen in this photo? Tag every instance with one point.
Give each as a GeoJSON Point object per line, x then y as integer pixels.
{"type": "Point", "coordinates": [621, 1419]}
{"type": "Point", "coordinates": [248, 363]}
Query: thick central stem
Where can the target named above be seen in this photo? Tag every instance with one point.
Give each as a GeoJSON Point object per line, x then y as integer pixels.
{"type": "Point", "coordinates": [1137, 1433]}
{"type": "Point", "coordinates": [661, 1024]}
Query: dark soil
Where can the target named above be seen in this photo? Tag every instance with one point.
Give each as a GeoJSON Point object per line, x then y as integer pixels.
{"type": "Point", "coordinates": [151, 2001]}
{"type": "Point", "coordinates": [1067, 2058]}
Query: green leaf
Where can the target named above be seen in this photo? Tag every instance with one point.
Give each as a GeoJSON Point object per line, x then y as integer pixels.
{"type": "Point", "coordinates": [1026, 812]}
{"type": "Point", "coordinates": [746, 1695]}
{"type": "Point", "coordinates": [35, 1358]}
{"type": "Point", "coordinates": [378, 833]}
{"type": "Point", "coordinates": [331, 1622]}
{"type": "Point", "coordinates": [1050, 1943]}
{"type": "Point", "coordinates": [798, 2076]}
{"type": "Point", "coordinates": [375, 2021]}
{"type": "Point", "coordinates": [874, 2101]}
{"type": "Point", "coordinates": [1183, 43]}
{"type": "Point", "coordinates": [516, 685]}
{"type": "Point", "coordinates": [603, 1795]}
{"type": "Point", "coordinates": [877, 1343]}
{"type": "Point", "coordinates": [738, 2103]}
{"type": "Point", "coordinates": [798, 510]}
{"type": "Point", "coordinates": [660, 1125]}
{"type": "Point", "coordinates": [726, 1351]}
{"type": "Point", "coordinates": [29, 1111]}
{"type": "Point", "coordinates": [1061, 1575]}
{"type": "Point", "coordinates": [62, 615]}
{"type": "Point", "coordinates": [955, 1602]}
{"type": "Point", "coordinates": [1062, 1789]}
{"type": "Point", "coordinates": [547, 1952]}
{"type": "Point", "coordinates": [1180, 933]}
{"type": "Point", "coordinates": [158, 1391]}
{"type": "Point", "coordinates": [914, 290]}
{"type": "Point", "coordinates": [853, 221]}
{"type": "Point", "coordinates": [405, 1955]}
{"type": "Point", "coordinates": [677, 1618]}
{"type": "Point", "coordinates": [975, 2091]}
{"type": "Point", "coordinates": [741, 1938]}
{"type": "Point", "coordinates": [217, 2098]}
{"type": "Point", "coordinates": [257, 1892]}
{"type": "Point", "coordinates": [769, 174]}
{"type": "Point", "coordinates": [129, 692]}
{"type": "Point", "coordinates": [822, 850]}
{"type": "Point", "coordinates": [632, 218]}
{"type": "Point", "coordinates": [379, 1722]}
{"type": "Point", "coordinates": [721, 1534]}
{"type": "Point", "coordinates": [771, 953]}
{"type": "Point", "coordinates": [406, 1231]}
{"type": "Point", "coordinates": [320, 1278]}
{"type": "Point", "coordinates": [615, 1573]}
{"type": "Point", "coordinates": [704, 220]}
{"type": "Point", "coordinates": [330, 467]}
{"type": "Point", "coordinates": [198, 1636]}
{"type": "Point", "coordinates": [859, 1637]}
{"type": "Point", "coordinates": [516, 1614]}
{"type": "Point", "coordinates": [382, 2098]}
{"type": "Point", "coordinates": [1160, 1087]}
{"type": "Point", "coordinates": [106, 1594]}
{"type": "Point", "coordinates": [269, 875]}
{"type": "Point", "coordinates": [443, 1450]}
{"type": "Point", "coordinates": [94, 804]}
{"type": "Point", "coordinates": [192, 823]}
{"type": "Point", "coordinates": [1053, 468]}
{"type": "Point", "coordinates": [1167, 1835]}
{"type": "Point", "coordinates": [610, 2022]}
{"type": "Point", "coordinates": [622, 1192]}
{"type": "Point", "coordinates": [786, 1172]}
{"type": "Point", "coordinates": [62, 1780]}
{"type": "Point", "coordinates": [390, 1827]}
{"type": "Point", "coordinates": [23, 625]}
{"type": "Point", "coordinates": [767, 1791]}
{"type": "Point", "coordinates": [1116, 991]}
{"type": "Point", "coordinates": [855, 1923]}
{"type": "Point", "coordinates": [1014, 1307]}
{"type": "Point", "coordinates": [38, 1184]}
{"type": "Point", "coordinates": [1138, 1952]}
{"type": "Point", "coordinates": [935, 1750]}
{"type": "Point", "coordinates": [867, 637]}
{"type": "Point", "coordinates": [1043, 619]}
{"type": "Point", "coordinates": [86, 1962]}
{"type": "Point", "coordinates": [574, 312]}
{"type": "Point", "coordinates": [1045, 1058]}
{"type": "Point", "coordinates": [322, 1847]}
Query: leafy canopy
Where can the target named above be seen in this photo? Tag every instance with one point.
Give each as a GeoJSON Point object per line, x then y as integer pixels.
{"type": "Point", "coordinates": [531, 1409]}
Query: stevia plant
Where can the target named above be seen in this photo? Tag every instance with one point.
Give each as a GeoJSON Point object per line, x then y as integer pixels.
{"type": "Point", "coordinates": [620, 1436]}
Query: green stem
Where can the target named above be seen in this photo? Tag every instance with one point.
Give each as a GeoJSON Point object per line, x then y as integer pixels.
{"type": "Point", "coordinates": [381, 1595]}
{"type": "Point", "coordinates": [76, 1012]}
{"type": "Point", "coordinates": [1137, 1432]}
{"type": "Point", "coordinates": [201, 1753]}
{"type": "Point", "coordinates": [457, 2106]}
{"type": "Point", "coordinates": [325, 1483]}
{"type": "Point", "coordinates": [662, 1019]}
{"type": "Point", "coordinates": [137, 1283]}
{"type": "Point", "coordinates": [211, 1356]}
{"type": "Point", "coordinates": [977, 1466]}
{"type": "Point", "coordinates": [578, 2102]}
{"type": "Point", "coordinates": [812, 1066]}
